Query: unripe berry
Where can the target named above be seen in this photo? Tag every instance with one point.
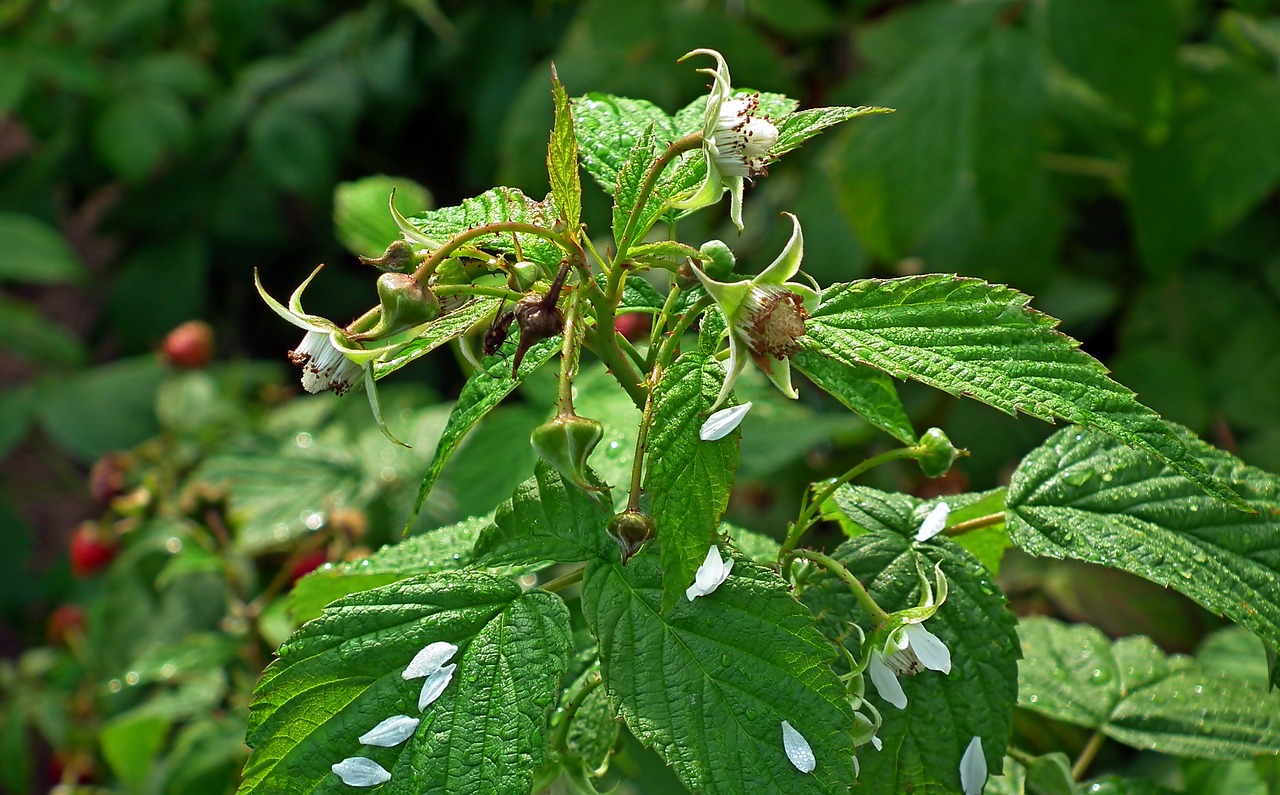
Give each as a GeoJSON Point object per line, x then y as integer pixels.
{"type": "Point", "coordinates": [631, 530]}
{"type": "Point", "coordinates": [189, 346]}
{"type": "Point", "coordinates": [566, 442]}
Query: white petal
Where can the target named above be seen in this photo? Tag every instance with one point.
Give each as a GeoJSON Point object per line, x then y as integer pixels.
{"type": "Point", "coordinates": [723, 422]}
{"type": "Point", "coordinates": [360, 771]}
{"type": "Point", "coordinates": [391, 732]}
{"type": "Point", "coordinates": [929, 648]}
{"type": "Point", "coordinates": [797, 748]}
{"type": "Point", "coordinates": [886, 684]}
{"type": "Point", "coordinates": [711, 574]}
{"type": "Point", "coordinates": [429, 660]}
{"type": "Point", "coordinates": [435, 685]}
{"type": "Point", "coordinates": [877, 743]}
{"type": "Point", "coordinates": [973, 768]}
{"type": "Point", "coordinates": [934, 523]}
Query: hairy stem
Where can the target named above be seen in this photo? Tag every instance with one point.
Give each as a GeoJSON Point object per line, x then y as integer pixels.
{"type": "Point", "coordinates": [560, 583]}
{"type": "Point", "coordinates": [429, 265]}
{"type": "Point", "coordinates": [875, 611]}
{"type": "Point", "coordinates": [1087, 754]}
{"type": "Point", "coordinates": [969, 525]}
{"type": "Point", "coordinates": [630, 232]}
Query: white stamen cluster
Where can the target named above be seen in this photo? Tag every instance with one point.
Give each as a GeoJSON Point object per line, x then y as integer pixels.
{"type": "Point", "coordinates": [742, 139]}
{"type": "Point", "coordinates": [429, 663]}
{"type": "Point", "coordinates": [323, 366]}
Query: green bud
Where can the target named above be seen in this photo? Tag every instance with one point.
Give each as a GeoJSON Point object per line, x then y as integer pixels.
{"type": "Point", "coordinates": [566, 443]}
{"type": "Point", "coordinates": [719, 258]}
{"type": "Point", "coordinates": [631, 530]}
{"type": "Point", "coordinates": [523, 276]}
{"type": "Point", "coordinates": [936, 453]}
{"type": "Point", "coordinates": [398, 258]}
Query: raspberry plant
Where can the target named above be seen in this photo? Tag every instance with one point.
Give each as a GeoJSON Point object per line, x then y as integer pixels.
{"type": "Point", "coordinates": [498, 655]}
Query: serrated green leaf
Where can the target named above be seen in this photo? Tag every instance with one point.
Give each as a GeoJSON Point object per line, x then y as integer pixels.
{"type": "Point", "coordinates": [545, 520]}
{"type": "Point", "coordinates": [1082, 495]}
{"type": "Point", "coordinates": [497, 205]}
{"type": "Point", "coordinates": [755, 546]}
{"type": "Point", "coordinates": [442, 549]}
{"type": "Point", "coordinates": [923, 743]}
{"type": "Point", "coordinates": [608, 128]}
{"type": "Point", "coordinates": [130, 744]}
{"type": "Point", "coordinates": [443, 329]}
{"type": "Point", "coordinates": [708, 683]}
{"type": "Point", "coordinates": [866, 392]}
{"type": "Point", "coordinates": [562, 159]}
{"type": "Point", "coordinates": [630, 221]}
{"type": "Point", "coordinates": [799, 127]}
{"type": "Point", "coordinates": [35, 252]}
{"type": "Point", "coordinates": [980, 340]}
{"type": "Point", "coordinates": [1131, 692]}
{"type": "Point", "coordinates": [483, 391]}
{"type": "Point", "coordinates": [688, 480]}
{"type": "Point", "coordinates": [340, 675]}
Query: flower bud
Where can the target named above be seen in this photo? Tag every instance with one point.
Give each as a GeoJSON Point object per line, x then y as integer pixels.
{"type": "Point", "coordinates": [936, 453]}
{"type": "Point", "coordinates": [398, 258]}
{"type": "Point", "coordinates": [566, 443]}
{"type": "Point", "coordinates": [189, 346]}
{"type": "Point", "coordinates": [405, 302]}
{"type": "Point", "coordinates": [720, 259]}
{"type": "Point", "coordinates": [631, 530]}
{"type": "Point", "coordinates": [523, 276]}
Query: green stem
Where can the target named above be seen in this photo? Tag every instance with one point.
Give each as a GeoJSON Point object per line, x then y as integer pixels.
{"type": "Point", "coordinates": [667, 354]}
{"type": "Point", "coordinates": [1084, 166]}
{"type": "Point", "coordinates": [630, 232]}
{"type": "Point", "coordinates": [1087, 754]}
{"type": "Point", "coordinates": [969, 525]}
{"type": "Point", "coordinates": [875, 611]}
{"type": "Point", "coordinates": [808, 514]}
{"type": "Point", "coordinates": [475, 289]}
{"type": "Point", "coordinates": [571, 709]}
{"type": "Point", "coordinates": [441, 254]}
{"type": "Point", "coordinates": [560, 583]}
{"type": "Point", "coordinates": [660, 323]}
{"type": "Point", "coordinates": [603, 343]}
{"type": "Point", "coordinates": [642, 442]}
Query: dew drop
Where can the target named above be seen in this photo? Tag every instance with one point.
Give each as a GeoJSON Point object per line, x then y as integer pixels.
{"type": "Point", "coordinates": [173, 545]}
{"type": "Point", "coordinates": [302, 440]}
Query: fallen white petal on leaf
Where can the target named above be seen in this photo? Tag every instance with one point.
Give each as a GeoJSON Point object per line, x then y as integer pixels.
{"type": "Point", "coordinates": [360, 771]}
{"type": "Point", "coordinates": [430, 659]}
{"type": "Point", "coordinates": [797, 748]}
{"type": "Point", "coordinates": [973, 768]}
{"type": "Point", "coordinates": [391, 732]}
{"type": "Point", "coordinates": [713, 571]}
{"type": "Point", "coordinates": [885, 682]}
{"type": "Point", "coordinates": [877, 743]}
{"type": "Point", "coordinates": [435, 685]}
{"type": "Point", "coordinates": [723, 422]}
{"type": "Point", "coordinates": [934, 523]}
{"type": "Point", "coordinates": [929, 648]}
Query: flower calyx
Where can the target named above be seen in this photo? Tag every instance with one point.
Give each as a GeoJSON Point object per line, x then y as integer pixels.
{"type": "Point", "coordinates": [766, 316]}
{"type": "Point", "coordinates": [398, 258]}
{"type": "Point", "coordinates": [935, 453]}
{"type": "Point", "coordinates": [566, 442]}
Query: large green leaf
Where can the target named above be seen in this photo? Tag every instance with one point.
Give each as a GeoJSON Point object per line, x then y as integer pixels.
{"type": "Point", "coordinates": [340, 675]}
{"type": "Point", "coordinates": [482, 392]}
{"type": "Point", "coordinates": [1131, 692]}
{"type": "Point", "coordinates": [799, 127]}
{"type": "Point", "coordinates": [95, 411]}
{"type": "Point", "coordinates": [708, 683]}
{"type": "Point", "coordinates": [626, 197]}
{"type": "Point", "coordinates": [608, 129]}
{"type": "Point", "coordinates": [980, 340]}
{"type": "Point", "coordinates": [688, 480]}
{"type": "Point", "coordinates": [494, 206]}
{"type": "Point", "coordinates": [546, 519]}
{"type": "Point", "coordinates": [866, 392]}
{"type": "Point", "coordinates": [442, 549]}
{"type": "Point", "coordinates": [35, 251]}
{"type": "Point", "coordinates": [1083, 495]}
{"type": "Point", "coordinates": [562, 159]}
{"type": "Point", "coordinates": [923, 743]}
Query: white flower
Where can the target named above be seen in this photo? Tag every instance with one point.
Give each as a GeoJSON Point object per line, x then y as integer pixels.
{"type": "Point", "coordinates": [723, 422]}
{"type": "Point", "coordinates": [435, 685]}
{"type": "Point", "coordinates": [797, 748]}
{"type": "Point", "coordinates": [910, 648]}
{"type": "Point", "coordinates": [430, 659]}
{"type": "Point", "coordinates": [765, 315]}
{"type": "Point", "coordinates": [973, 768]}
{"type": "Point", "coordinates": [934, 523]}
{"type": "Point", "coordinates": [360, 771]}
{"type": "Point", "coordinates": [324, 367]}
{"type": "Point", "coordinates": [713, 571]}
{"type": "Point", "coordinates": [391, 732]}
{"type": "Point", "coordinates": [736, 142]}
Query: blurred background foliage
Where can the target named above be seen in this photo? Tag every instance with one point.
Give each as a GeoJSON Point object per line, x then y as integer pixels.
{"type": "Point", "coordinates": [1117, 160]}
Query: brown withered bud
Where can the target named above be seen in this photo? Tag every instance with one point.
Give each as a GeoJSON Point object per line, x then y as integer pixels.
{"type": "Point", "coordinates": [538, 318]}
{"type": "Point", "coordinates": [631, 530]}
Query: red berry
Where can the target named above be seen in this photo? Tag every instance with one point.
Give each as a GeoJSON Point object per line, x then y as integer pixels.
{"type": "Point", "coordinates": [189, 346]}
{"type": "Point", "coordinates": [68, 619]}
{"type": "Point", "coordinates": [307, 564]}
{"type": "Point", "coordinates": [91, 550]}
{"type": "Point", "coordinates": [633, 326]}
